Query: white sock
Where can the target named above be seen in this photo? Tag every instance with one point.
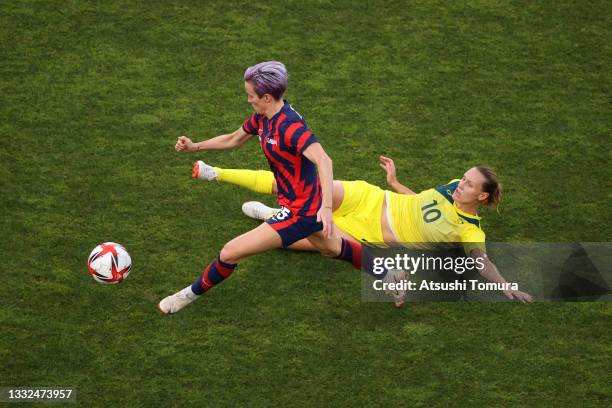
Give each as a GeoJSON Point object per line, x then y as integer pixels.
{"type": "Point", "coordinates": [188, 293]}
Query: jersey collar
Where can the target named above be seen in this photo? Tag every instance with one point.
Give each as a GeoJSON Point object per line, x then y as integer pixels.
{"type": "Point", "coordinates": [280, 112]}
{"type": "Point", "coordinates": [472, 219]}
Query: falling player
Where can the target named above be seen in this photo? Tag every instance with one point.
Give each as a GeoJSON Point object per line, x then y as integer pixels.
{"type": "Point", "coordinates": [365, 213]}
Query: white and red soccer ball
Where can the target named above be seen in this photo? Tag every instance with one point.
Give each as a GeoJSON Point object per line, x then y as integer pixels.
{"type": "Point", "coordinates": [109, 263]}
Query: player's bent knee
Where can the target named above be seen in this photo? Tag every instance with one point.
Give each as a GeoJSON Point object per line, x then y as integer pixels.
{"type": "Point", "coordinates": [328, 248]}
{"type": "Point", "coordinates": [229, 254]}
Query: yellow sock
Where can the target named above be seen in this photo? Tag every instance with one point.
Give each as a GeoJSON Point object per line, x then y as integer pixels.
{"type": "Point", "coordinates": [260, 181]}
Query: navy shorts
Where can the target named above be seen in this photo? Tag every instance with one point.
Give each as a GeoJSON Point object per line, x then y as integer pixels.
{"type": "Point", "coordinates": [292, 228]}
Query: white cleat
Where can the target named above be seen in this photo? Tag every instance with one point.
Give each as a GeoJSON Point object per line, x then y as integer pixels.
{"type": "Point", "coordinates": [258, 211]}
{"type": "Point", "coordinates": [398, 277]}
{"type": "Point", "coordinates": [203, 171]}
{"type": "Point", "coordinates": [174, 303]}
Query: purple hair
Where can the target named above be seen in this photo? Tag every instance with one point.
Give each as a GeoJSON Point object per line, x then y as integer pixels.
{"type": "Point", "coordinates": [268, 77]}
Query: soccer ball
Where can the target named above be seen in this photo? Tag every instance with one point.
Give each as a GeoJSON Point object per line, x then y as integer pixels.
{"type": "Point", "coordinates": [109, 263]}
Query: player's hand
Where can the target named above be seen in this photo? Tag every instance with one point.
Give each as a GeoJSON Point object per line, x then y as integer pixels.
{"type": "Point", "coordinates": [388, 166]}
{"type": "Point", "coordinates": [518, 295]}
{"type": "Point", "coordinates": [324, 216]}
{"type": "Point", "coordinates": [184, 144]}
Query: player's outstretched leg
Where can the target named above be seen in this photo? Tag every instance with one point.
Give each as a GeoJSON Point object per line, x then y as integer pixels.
{"type": "Point", "coordinates": [216, 272]}
{"type": "Point", "coordinates": [260, 181]}
{"type": "Point", "coordinates": [257, 240]}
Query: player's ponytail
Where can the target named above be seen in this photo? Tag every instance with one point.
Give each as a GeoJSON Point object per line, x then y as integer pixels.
{"type": "Point", "coordinates": [491, 186]}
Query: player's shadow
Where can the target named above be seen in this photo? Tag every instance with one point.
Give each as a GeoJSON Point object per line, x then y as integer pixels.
{"type": "Point", "coordinates": [580, 279]}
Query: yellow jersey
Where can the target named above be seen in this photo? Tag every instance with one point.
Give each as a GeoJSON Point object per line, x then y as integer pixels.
{"type": "Point", "coordinates": [432, 219]}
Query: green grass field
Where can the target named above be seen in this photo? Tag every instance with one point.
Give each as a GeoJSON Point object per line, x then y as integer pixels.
{"type": "Point", "coordinates": [92, 98]}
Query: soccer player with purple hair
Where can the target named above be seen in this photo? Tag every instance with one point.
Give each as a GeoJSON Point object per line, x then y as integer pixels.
{"type": "Point", "coordinates": [303, 174]}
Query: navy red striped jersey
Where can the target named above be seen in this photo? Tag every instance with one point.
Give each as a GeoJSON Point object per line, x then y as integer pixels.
{"type": "Point", "coordinates": [283, 140]}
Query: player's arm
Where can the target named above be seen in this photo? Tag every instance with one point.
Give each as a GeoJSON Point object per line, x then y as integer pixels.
{"type": "Point", "coordinates": [317, 155]}
{"type": "Point", "coordinates": [228, 141]}
{"type": "Point", "coordinates": [389, 166]}
{"type": "Point", "coordinates": [488, 270]}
